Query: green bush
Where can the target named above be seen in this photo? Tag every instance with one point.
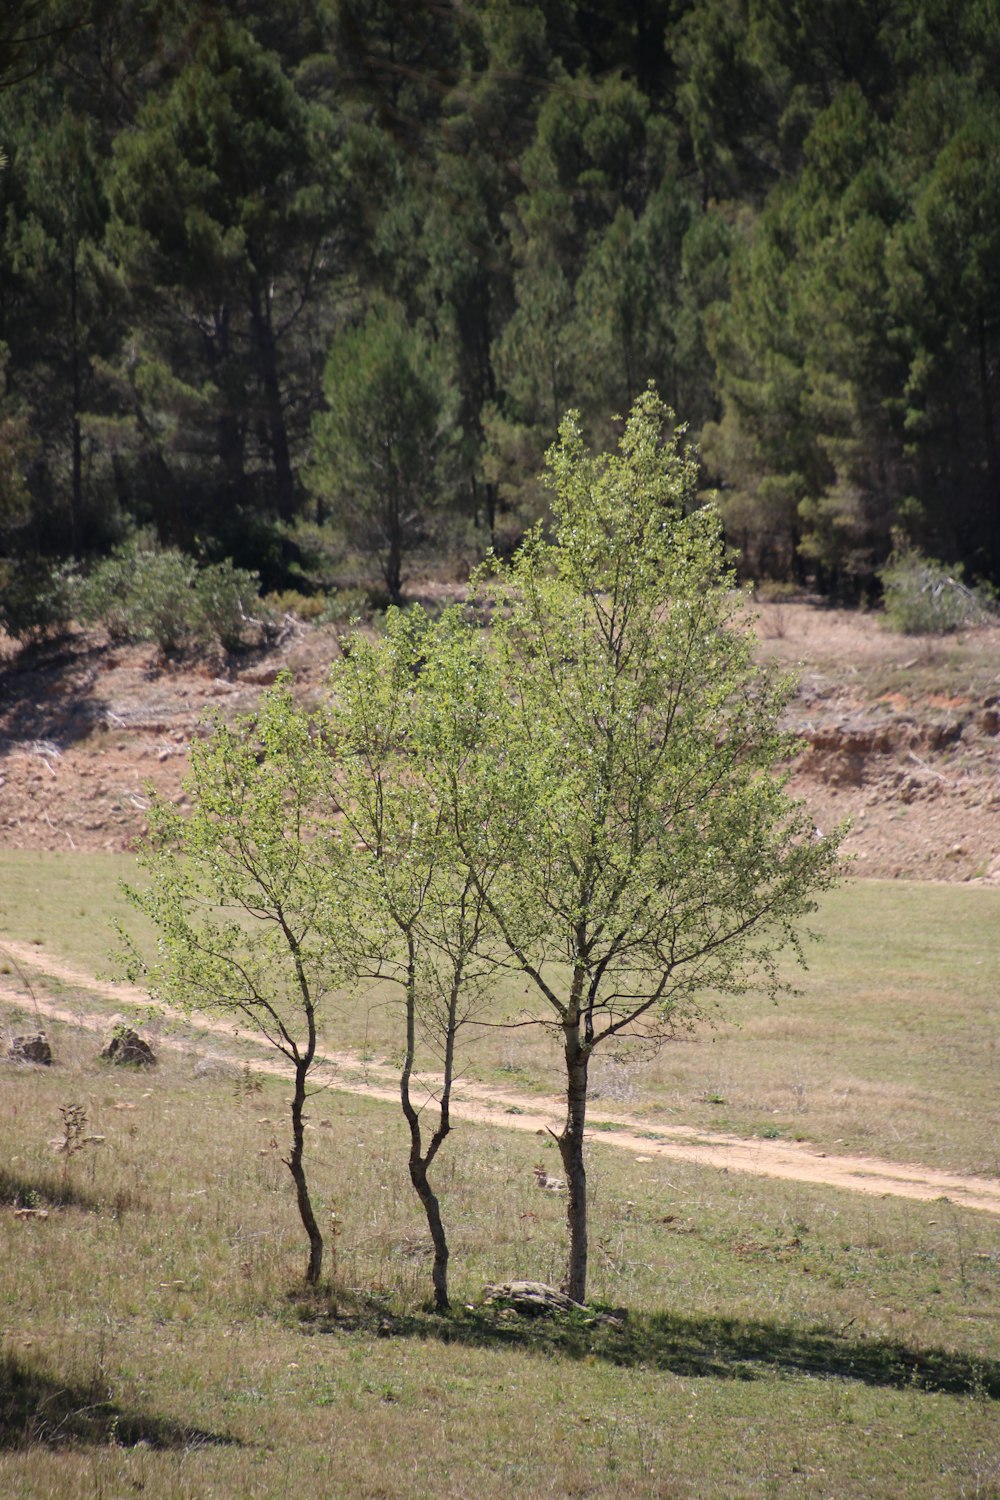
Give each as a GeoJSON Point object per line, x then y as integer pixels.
{"type": "Point", "coordinates": [144, 594]}
{"type": "Point", "coordinates": [109, 596]}
{"type": "Point", "coordinates": [341, 606]}
{"type": "Point", "coordinates": [166, 598]}
{"type": "Point", "coordinates": [226, 598]}
{"type": "Point", "coordinates": [291, 602]}
{"type": "Point", "coordinates": [35, 596]}
{"type": "Point", "coordinates": [924, 597]}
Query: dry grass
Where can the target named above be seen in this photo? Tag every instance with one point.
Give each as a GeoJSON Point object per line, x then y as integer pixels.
{"type": "Point", "coordinates": [780, 1341]}
{"type": "Point", "coordinates": [857, 652]}
{"type": "Point", "coordinates": [891, 1047]}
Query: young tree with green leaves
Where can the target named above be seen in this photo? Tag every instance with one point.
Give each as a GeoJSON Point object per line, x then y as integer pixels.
{"type": "Point", "coordinates": [624, 812]}
{"type": "Point", "coordinates": [418, 919]}
{"type": "Point", "coordinates": [239, 890]}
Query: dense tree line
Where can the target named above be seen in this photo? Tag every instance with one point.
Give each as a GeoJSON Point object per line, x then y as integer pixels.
{"type": "Point", "coordinates": [324, 267]}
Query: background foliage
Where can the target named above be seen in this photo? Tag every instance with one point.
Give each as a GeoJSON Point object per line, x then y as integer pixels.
{"type": "Point", "coordinates": [212, 216]}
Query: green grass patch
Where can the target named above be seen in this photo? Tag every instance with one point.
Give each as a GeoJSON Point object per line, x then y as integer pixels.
{"type": "Point", "coordinates": [768, 1339]}
{"type": "Point", "coordinates": [891, 1047]}
{"type": "Point", "coordinates": [67, 903]}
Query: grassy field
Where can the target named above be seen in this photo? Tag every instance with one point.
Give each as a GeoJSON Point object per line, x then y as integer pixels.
{"type": "Point", "coordinates": [891, 1047]}
{"type": "Point", "coordinates": [780, 1340]}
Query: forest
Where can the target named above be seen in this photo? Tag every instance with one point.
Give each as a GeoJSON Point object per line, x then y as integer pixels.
{"type": "Point", "coordinates": [295, 282]}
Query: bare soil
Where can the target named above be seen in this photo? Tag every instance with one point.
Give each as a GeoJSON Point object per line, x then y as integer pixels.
{"type": "Point", "coordinates": [343, 1072]}
{"type": "Point", "coordinates": [901, 736]}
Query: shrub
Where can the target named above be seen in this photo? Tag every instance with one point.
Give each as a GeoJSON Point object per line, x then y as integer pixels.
{"type": "Point", "coordinates": [291, 602]}
{"type": "Point", "coordinates": [924, 597]}
{"type": "Point", "coordinates": [116, 594]}
{"type": "Point", "coordinates": [342, 605]}
{"type": "Point", "coordinates": [35, 596]}
{"type": "Point", "coordinates": [166, 601]}
{"type": "Point", "coordinates": [143, 594]}
{"type": "Point", "coordinates": [226, 597]}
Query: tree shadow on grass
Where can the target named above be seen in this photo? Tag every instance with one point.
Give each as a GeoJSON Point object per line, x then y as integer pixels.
{"type": "Point", "coordinates": [720, 1348]}
{"type": "Point", "coordinates": [43, 1190]}
{"type": "Point", "coordinates": [51, 1190]}
{"type": "Point", "coordinates": [39, 1410]}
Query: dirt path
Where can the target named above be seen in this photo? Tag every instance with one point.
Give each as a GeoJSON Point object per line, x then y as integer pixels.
{"type": "Point", "coordinates": [347, 1073]}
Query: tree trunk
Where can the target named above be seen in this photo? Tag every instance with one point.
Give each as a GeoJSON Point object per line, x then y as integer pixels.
{"type": "Point", "coordinates": [284, 481]}
{"type": "Point", "coordinates": [492, 491]}
{"type": "Point", "coordinates": [294, 1165]}
{"type": "Point", "coordinates": [420, 1161]}
{"type": "Point", "coordinates": [418, 1176]}
{"type": "Point", "coordinates": [392, 513]}
{"type": "Point", "coordinates": [571, 1150]}
{"type": "Point", "coordinates": [990, 438]}
{"type": "Point", "coordinates": [76, 490]}
{"type": "Point", "coordinates": [229, 419]}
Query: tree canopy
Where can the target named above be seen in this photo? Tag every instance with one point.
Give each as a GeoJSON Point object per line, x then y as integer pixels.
{"type": "Point", "coordinates": [625, 819]}
{"type": "Point", "coordinates": [784, 220]}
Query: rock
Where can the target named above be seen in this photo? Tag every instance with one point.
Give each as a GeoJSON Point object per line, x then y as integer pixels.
{"type": "Point", "coordinates": [127, 1047]}
{"type": "Point", "coordinates": [550, 1184]}
{"type": "Point", "coordinates": [31, 1049]}
{"type": "Point", "coordinates": [531, 1297]}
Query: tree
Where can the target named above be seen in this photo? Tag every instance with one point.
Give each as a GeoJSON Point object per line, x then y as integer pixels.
{"type": "Point", "coordinates": [945, 285]}
{"type": "Point", "coordinates": [31, 32]}
{"type": "Point", "coordinates": [395, 728]}
{"type": "Point", "coordinates": [377, 447]}
{"type": "Point", "coordinates": [239, 891]}
{"type": "Point", "coordinates": [227, 221]}
{"type": "Point", "coordinates": [625, 819]}
{"type": "Point", "coordinates": [57, 310]}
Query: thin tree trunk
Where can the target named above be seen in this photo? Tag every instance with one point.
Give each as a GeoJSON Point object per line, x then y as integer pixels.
{"type": "Point", "coordinates": [76, 494]}
{"type": "Point", "coordinates": [570, 1141]}
{"type": "Point", "coordinates": [432, 1209]}
{"type": "Point", "coordinates": [990, 437]}
{"type": "Point", "coordinates": [492, 491]}
{"type": "Point", "coordinates": [284, 481]}
{"type": "Point", "coordinates": [229, 420]}
{"type": "Point", "coordinates": [419, 1160]}
{"type": "Point", "coordinates": [294, 1165]}
{"type": "Point", "coordinates": [393, 515]}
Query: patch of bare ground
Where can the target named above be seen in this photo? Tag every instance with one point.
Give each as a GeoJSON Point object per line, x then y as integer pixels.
{"type": "Point", "coordinates": [901, 736]}
{"type": "Point", "coordinates": [343, 1072]}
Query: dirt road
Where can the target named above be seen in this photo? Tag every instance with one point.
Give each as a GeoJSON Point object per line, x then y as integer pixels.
{"type": "Point", "coordinates": [347, 1073]}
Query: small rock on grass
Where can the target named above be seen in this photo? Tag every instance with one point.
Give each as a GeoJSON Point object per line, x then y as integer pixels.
{"type": "Point", "coordinates": [31, 1049]}
{"type": "Point", "coordinates": [126, 1047]}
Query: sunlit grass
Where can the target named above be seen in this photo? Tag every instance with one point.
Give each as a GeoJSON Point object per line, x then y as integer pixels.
{"type": "Point", "coordinates": [891, 1047]}
{"type": "Point", "coordinates": [779, 1339]}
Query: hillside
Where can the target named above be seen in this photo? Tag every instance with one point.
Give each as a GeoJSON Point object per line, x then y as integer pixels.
{"type": "Point", "coordinates": [902, 736]}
